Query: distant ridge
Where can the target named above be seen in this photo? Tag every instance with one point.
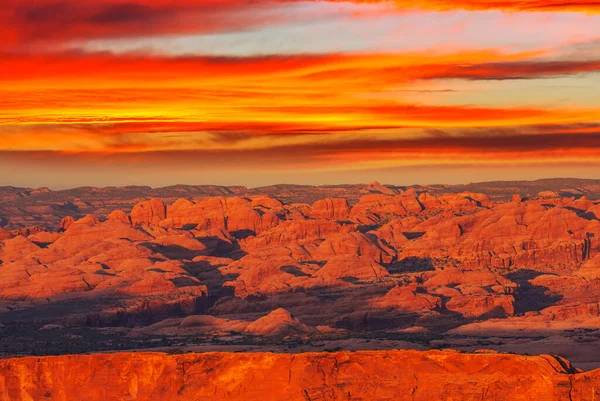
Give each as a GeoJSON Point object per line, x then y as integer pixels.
{"type": "Point", "coordinates": [23, 207]}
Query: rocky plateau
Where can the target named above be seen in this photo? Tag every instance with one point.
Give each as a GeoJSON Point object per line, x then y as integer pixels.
{"type": "Point", "coordinates": [283, 282]}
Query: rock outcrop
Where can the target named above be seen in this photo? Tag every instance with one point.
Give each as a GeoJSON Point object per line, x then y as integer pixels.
{"type": "Point", "coordinates": [279, 322]}
{"type": "Point", "coordinates": [149, 212]}
{"type": "Point", "coordinates": [366, 375]}
{"type": "Point", "coordinates": [332, 209]}
{"type": "Point", "coordinates": [4, 234]}
{"type": "Point", "coordinates": [66, 222]}
{"type": "Point", "coordinates": [244, 215]}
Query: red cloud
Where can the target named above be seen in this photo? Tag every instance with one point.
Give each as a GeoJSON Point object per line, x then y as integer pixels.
{"type": "Point", "coordinates": [26, 21]}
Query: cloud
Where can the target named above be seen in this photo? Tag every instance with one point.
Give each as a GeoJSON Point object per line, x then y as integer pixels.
{"type": "Point", "coordinates": [114, 157]}
{"type": "Point", "coordinates": [26, 22]}
{"type": "Point", "coordinates": [518, 70]}
{"type": "Point", "coordinates": [87, 70]}
{"type": "Point", "coordinates": [329, 111]}
{"type": "Point", "coordinates": [88, 99]}
{"type": "Point", "coordinates": [128, 137]}
{"type": "Point", "coordinates": [58, 21]}
{"type": "Point", "coordinates": [342, 155]}
{"type": "Point", "coordinates": [507, 5]}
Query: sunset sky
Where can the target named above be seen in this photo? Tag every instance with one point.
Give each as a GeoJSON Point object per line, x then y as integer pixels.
{"type": "Point", "coordinates": [161, 92]}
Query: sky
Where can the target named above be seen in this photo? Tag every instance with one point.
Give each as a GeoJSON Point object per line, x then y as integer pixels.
{"type": "Point", "coordinates": [240, 92]}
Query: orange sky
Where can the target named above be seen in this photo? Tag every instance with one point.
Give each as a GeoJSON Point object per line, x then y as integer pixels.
{"type": "Point", "coordinates": [232, 92]}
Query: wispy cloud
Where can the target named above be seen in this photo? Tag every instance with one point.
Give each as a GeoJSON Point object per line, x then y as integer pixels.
{"type": "Point", "coordinates": [419, 95]}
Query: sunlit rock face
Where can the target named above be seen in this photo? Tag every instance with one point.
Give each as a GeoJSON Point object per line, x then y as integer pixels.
{"type": "Point", "coordinates": [374, 375]}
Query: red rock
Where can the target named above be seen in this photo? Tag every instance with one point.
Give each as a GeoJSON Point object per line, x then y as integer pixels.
{"type": "Point", "coordinates": [590, 269]}
{"type": "Point", "coordinates": [330, 209]}
{"type": "Point", "coordinates": [378, 188]}
{"type": "Point", "coordinates": [232, 214]}
{"type": "Point", "coordinates": [246, 218]}
{"type": "Point", "coordinates": [181, 213]}
{"type": "Point", "coordinates": [594, 212]}
{"type": "Point", "coordinates": [567, 312]}
{"type": "Point", "coordinates": [217, 240]}
{"type": "Point", "coordinates": [300, 231]}
{"type": "Point", "coordinates": [89, 230]}
{"type": "Point", "coordinates": [429, 201]}
{"type": "Point", "coordinates": [279, 322]}
{"type": "Point", "coordinates": [294, 251]}
{"type": "Point", "coordinates": [480, 199]}
{"type": "Point", "coordinates": [196, 324]}
{"type": "Point", "coordinates": [353, 244]}
{"type": "Point", "coordinates": [372, 375]}
{"type": "Point", "coordinates": [26, 232]}
{"type": "Point", "coordinates": [583, 203]}
{"type": "Point", "coordinates": [408, 299]}
{"type": "Point", "coordinates": [411, 202]}
{"type": "Point", "coordinates": [206, 214]}
{"type": "Point", "coordinates": [350, 268]}
{"type": "Point", "coordinates": [4, 234]}
{"type": "Point", "coordinates": [66, 222]}
{"type": "Point", "coordinates": [371, 208]}
{"type": "Point", "coordinates": [395, 232]}
{"type": "Point", "coordinates": [43, 237]}
{"type": "Point", "coordinates": [180, 245]}
{"type": "Point", "coordinates": [265, 202]}
{"type": "Point", "coordinates": [447, 232]}
{"type": "Point", "coordinates": [512, 235]}
{"type": "Point", "coordinates": [386, 267]}
{"type": "Point", "coordinates": [297, 211]}
{"type": "Point", "coordinates": [548, 194]}
{"type": "Point", "coordinates": [374, 209]}
{"type": "Point", "coordinates": [149, 212]}
{"type": "Point", "coordinates": [16, 248]}
{"type": "Point", "coordinates": [269, 276]}
{"type": "Point", "coordinates": [453, 277]}
{"type": "Point", "coordinates": [154, 284]}
{"type": "Point", "coordinates": [119, 215]}
{"type": "Point", "coordinates": [585, 386]}
{"type": "Point", "coordinates": [466, 201]}
{"type": "Point", "coordinates": [482, 305]}
{"type": "Point", "coordinates": [474, 294]}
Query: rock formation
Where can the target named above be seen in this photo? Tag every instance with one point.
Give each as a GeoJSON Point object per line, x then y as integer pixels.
{"type": "Point", "coordinates": [367, 375]}
{"type": "Point", "coordinates": [331, 209]}
{"type": "Point", "coordinates": [353, 267]}
{"type": "Point", "coordinates": [148, 212]}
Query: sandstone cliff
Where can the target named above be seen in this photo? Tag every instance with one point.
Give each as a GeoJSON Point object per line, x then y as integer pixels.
{"type": "Point", "coordinates": [374, 375]}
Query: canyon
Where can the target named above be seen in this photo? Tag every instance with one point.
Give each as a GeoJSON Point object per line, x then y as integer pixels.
{"type": "Point", "coordinates": [312, 287]}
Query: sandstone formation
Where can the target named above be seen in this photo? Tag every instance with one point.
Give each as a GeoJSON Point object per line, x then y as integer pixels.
{"type": "Point", "coordinates": [408, 298]}
{"type": "Point", "coordinates": [66, 222]}
{"type": "Point", "coordinates": [277, 323]}
{"type": "Point", "coordinates": [332, 209]}
{"type": "Point", "coordinates": [148, 212]}
{"type": "Point", "coordinates": [366, 266]}
{"type": "Point", "coordinates": [375, 375]}
{"type": "Point", "coordinates": [4, 234]}
{"type": "Point", "coordinates": [590, 269]}
{"type": "Point", "coordinates": [21, 207]}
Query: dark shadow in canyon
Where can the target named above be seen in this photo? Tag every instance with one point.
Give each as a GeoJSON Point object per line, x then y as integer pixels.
{"type": "Point", "coordinates": [411, 264]}
{"type": "Point", "coordinates": [529, 297]}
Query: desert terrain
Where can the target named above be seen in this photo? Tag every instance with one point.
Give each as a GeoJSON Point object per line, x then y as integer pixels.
{"type": "Point", "coordinates": [287, 274]}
